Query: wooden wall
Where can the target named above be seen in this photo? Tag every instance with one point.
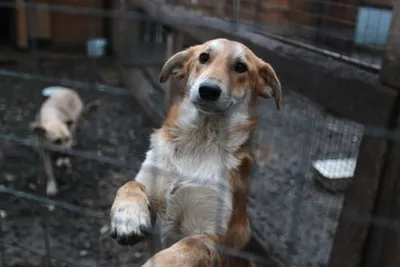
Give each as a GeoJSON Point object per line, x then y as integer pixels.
{"type": "Point", "coordinates": [74, 29]}
{"type": "Point", "coordinates": [59, 28]}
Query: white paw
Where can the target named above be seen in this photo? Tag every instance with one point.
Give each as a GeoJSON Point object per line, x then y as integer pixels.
{"type": "Point", "coordinates": [67, 163]}
{"type": "Point", "coordinates": [129, 223]}
{"type": "Point", "coordinates": [59, 162]}
{"type": "Point", "coordinates": [51, 189]}
{"type": "Point", "coordinates": [63, 162]}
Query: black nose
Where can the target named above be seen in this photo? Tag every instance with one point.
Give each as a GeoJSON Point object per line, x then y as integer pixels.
{"type": "Point", "coordinates": [209, 92]}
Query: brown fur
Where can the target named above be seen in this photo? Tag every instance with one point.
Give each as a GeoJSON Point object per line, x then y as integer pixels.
{"type": "Point", "coordinates": [202, 249]}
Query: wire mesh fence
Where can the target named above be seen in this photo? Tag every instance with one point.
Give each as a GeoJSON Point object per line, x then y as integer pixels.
{"type": "Point", "coordinates": [354, 31]}
{"type": "Point", "coordinates": [293, 206]}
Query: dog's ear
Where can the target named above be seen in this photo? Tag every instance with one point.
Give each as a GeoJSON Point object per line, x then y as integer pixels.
{"type": "Point", "coordinates": [174, 65]}
{"type": "Point", "coordinates": [37, 128]}
{"type": "Point", "coordinates": [268, 85]}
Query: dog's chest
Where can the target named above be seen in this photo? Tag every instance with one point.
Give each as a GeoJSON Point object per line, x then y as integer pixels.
{"type": "Point", "coordinates": [197, 162]}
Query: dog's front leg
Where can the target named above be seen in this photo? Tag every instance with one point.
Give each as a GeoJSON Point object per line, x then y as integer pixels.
{"type": "Point", "coordinates": [192, 251]}
{"type": "Point", "coordinates": [139, 202]}
{"type": "Point", "coordinates": [51, 186]}
{"type": "Point", "coordinates": [130, 214]}
{"type": "Point", "coordinates": [198, 251]}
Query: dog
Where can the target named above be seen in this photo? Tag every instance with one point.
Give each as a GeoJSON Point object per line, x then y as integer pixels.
{"type": "Point", "coordinates": [194, 180]}
{"type": "Point", "coordinates": [55, 124]}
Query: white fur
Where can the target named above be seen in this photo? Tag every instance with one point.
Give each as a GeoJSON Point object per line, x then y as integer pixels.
{"type": "Point", "coordinates": [239, 51]}
{"type": "Point", "coordinates": [51, 188]}
{"type": "Point", "coordinates": [216, 46]}
{"type": "Point", "coordinates": [62, 105]}
{"type": "Point", "coordinates": [130, 217]}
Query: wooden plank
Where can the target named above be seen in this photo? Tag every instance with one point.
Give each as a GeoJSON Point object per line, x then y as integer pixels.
{"type": "Point", "coordinates": [22, 26]}
{"type": "Point", "coordinates": [172, 87]}
{"type": "Point", "coordinates": [74, 30]}
{"type": "Point", "coordinates": [141, 89]}
{"type": "Point", "coordinates": [43, 22]}
{"type": "Point", "coordinates": [383, 246]}
{"type": "Point", "coordinates": [170, 51]}
{"type": "Point", "coordinates": [380, 3]}
{"type": "Point", "coordinates": [354, 98]}
{"type": "Point", "coordinates": [391, 247]}
{"type": "Point", "coordinates": [391, 63]}
{"type": "Point", "coordinates": [358, 95]}
{"type": "Point", "coordinates": [360, 196]}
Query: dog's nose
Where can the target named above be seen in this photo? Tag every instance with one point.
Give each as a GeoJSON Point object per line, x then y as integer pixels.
{"type": "Point", "coordinates": [209, 92]}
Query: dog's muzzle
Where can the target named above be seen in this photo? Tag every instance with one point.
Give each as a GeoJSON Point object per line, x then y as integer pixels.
{"type": "Point", "coordinates": [209, 92]}
{"type": "Point", "coordinates": [209, 98]}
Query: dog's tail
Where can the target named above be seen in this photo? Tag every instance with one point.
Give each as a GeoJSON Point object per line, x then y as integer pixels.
{"type": "Point", "coordinates": [48, 91]}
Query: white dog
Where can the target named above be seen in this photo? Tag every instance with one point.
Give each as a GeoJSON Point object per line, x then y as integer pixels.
{"type": "Point", "coordinates": [56, 123]}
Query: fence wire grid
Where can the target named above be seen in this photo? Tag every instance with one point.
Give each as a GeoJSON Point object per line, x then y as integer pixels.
{"type": "Point", "coordinates": [294, 209]}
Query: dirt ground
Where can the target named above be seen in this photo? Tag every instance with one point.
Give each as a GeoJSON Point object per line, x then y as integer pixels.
{"type": "Point", "coordinates": [294, 216]}
{"type": "Point", "coordinates": [115, 129]}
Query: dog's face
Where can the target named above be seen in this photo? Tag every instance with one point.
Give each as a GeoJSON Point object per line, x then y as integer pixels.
{"type": "Point", "coordinates": [220, 74]}
{"type": "Point", "coordinates": [53, 131]}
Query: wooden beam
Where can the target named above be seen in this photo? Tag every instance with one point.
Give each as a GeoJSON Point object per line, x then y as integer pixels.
{"type": "Point", "coordinates": [384, 243]}
{"type": "Point", "coordinates": [391, 64]}
{"type": "Point", "coordinates": [22, 26]}
{"type": "Point", "coordinates": [352, 230]}
{"type": "Point", "coordinates": [172, 87]}
{"type": "Point", "coordinates": [357, 95]}
{"type": "Point", "coordinates": [167, 86]}
{"type": "Point", "coordinates": [141, 90]}
{"type": "Point", "coordinates": [43, 21]}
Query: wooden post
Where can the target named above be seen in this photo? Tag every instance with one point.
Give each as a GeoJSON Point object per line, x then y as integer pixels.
{"type": "Point", "coordinates": [236, 10]}
{"type": "Point", "coordinates": [352, 230]}
{"type": "Point", "coordinates": [219, 8]}
{"type": "Point", "coordinates": [172, 87]}
{"type": "Point", "coordinates": [390, 70]}
{"type": "Point", "coordinates": [22, 26]}
{"type": "Point", "coordinates": [383, 245]}
{"type": "Point", "coordinates": [168, 54]}
{"type": "Point", "coordinates": [43, 22]}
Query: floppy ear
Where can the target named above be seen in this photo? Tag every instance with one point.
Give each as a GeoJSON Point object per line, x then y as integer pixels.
{"type": "Point", "coordinates": [37, 128]}
{"type": "Point", "coordinates": [174, 65]}
{"type": "Point", "coordinates": [269, 85]}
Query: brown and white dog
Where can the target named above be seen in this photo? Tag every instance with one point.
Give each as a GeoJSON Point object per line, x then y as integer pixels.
{"type": "Point", "coordinates": [194, 180]}
{"type": "Point", "coordinates": [55, 124]}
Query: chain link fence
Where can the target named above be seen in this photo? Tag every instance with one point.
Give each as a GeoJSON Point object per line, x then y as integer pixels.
{"type": "Point", "coordinates": [305, 155]}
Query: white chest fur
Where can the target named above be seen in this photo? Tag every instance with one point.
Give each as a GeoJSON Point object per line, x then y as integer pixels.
{"type": "Point", "coordinates": [190, 173]}
{"type": "Point", "coordinates": [203, 149]}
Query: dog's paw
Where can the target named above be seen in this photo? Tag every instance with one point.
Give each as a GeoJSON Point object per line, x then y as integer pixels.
{"type": "Point", "coordinates": [64, 163]}
{"type": "Point", "coordinates": [51, 189]}
{"type": "Point", "coordinates": [59, 162]}
{"type": "Point", "coordinates": [67, 163]}
{"type": "Point", "coordinates": [129, 223]}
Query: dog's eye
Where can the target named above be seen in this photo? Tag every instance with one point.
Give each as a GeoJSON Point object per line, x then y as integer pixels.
{"type": "Point", "coordinates": [58, 141]}
{"type": "Point", "coordinates": [203, 58]}
{"type": "Point", "coordinates": [240, 67]}
{"type": "Point", "coordinates": [69, 123]}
